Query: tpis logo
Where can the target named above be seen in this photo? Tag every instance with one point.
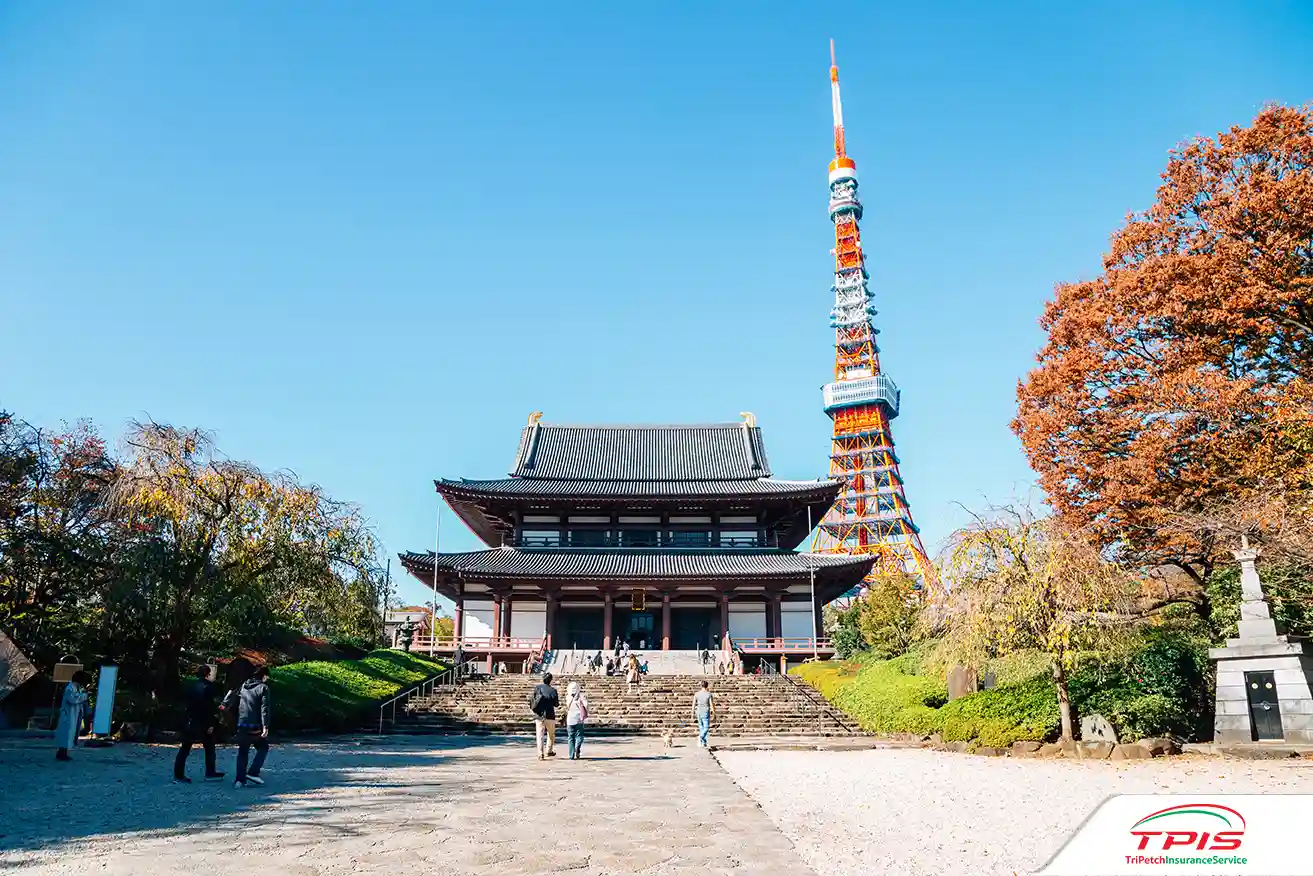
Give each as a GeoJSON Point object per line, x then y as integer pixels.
{"type": "Point", "coordinates": [1196, 826]}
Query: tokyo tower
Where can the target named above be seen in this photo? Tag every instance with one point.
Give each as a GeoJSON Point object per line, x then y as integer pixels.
{"type": "Point", "coordinates": [871, 515]}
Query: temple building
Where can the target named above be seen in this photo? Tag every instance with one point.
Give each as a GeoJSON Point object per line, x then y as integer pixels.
{"type": "Point", "coordinates": [668, 537]}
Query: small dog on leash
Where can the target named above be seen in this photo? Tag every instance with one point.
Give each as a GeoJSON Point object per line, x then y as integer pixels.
{"type": "Point", "coordinates": [668, 739]}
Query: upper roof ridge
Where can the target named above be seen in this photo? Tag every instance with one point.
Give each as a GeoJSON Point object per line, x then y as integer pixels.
{"type": "Point", "coordinates": [653, 452]}
{"type": "Point", "coordinates": [734, 425]}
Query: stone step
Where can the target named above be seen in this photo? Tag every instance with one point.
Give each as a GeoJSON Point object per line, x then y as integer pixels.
{"type": "Point", "coordinates": [758, 706]}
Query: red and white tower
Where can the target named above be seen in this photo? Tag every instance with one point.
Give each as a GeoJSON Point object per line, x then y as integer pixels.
{"type": "Point", "coordinates": [871, 516]}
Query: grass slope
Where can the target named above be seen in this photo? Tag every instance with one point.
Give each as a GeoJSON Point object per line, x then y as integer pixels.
{"type": "Point", "coordinates": [341, 695]}
{"type": "Point", "coordinates": [895, 696]}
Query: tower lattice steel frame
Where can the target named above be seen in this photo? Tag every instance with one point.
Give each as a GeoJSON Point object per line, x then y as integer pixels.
{"type": "Point", "coordinates": [872, 515]}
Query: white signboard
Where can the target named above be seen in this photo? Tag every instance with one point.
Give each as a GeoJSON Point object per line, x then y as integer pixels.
{"type": "Point", "coordinates": [109, 676]}
{"type": "Point", "coordinates": [1191, 833]}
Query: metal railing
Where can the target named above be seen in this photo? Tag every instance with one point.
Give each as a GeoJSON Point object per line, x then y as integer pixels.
{"type": "Point", "coordinates": [448, 677]}
{"type": "Point", "coordinates": [823, 706]}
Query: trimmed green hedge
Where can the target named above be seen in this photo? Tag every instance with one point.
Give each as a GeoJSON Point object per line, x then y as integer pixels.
{"type": "Point", "coordinates": [342, 695]}
{"type": "Point", "coordinates": [1160, 688]}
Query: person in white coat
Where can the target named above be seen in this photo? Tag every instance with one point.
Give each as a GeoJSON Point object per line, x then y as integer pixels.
{"type": "Point", "coordinates": [72, 711]}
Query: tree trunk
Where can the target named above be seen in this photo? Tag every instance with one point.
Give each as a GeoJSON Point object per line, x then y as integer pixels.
{"type": "Point", "coordinates": [1064, 698]}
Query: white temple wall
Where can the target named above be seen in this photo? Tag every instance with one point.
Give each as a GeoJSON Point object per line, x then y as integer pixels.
{"type": "Point", "coordinates": [747, 621]}
{"type": "Point", "coordinates": [476, 622]}
{"type": "Point", "coordinates": [528, 620]}
{"type": "Point", "coordinates": [796, 620]}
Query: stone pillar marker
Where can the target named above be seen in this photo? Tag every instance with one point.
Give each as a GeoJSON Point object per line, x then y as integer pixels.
{"type": "Point", "coordinates": [1260, 647]}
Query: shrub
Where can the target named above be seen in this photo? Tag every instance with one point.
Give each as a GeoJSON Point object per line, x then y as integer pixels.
{"type": "Point", "coordinates": [884, 696]}
{"type": "Point", "coordinates": [1158, 687]}
{"type": "Point", "coordinates": [340, 695]}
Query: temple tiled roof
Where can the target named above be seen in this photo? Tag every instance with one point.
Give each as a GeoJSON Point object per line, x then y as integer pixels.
{"type": "Point", "coordinates": [638, 563]}
{"type": "Point", "coordinates": [527, 488]}
{"type": "Point", "coordinates": [717, 452]}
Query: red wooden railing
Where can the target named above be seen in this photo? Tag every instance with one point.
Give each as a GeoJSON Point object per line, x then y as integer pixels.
{"type": "Point", "coordinates": [472, 643]}
{"type": "Point", "coordinates": [776, 643]}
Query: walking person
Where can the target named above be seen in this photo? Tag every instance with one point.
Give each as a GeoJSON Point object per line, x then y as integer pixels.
{"type": "Point", "coordinates": [703, 709]}
{"type": "Point", "coordinates": [72, 712]}
{"type": "Point", "coordinates": [632, 677]}
{"type": "Point", "coordinates": [253, 707]}
{"type": "Point", "coordinates": [198, 727]}
{"type": "Point", "coordinates": [576, 713]}
{"type": "Point", "coordinates": [543, 702]}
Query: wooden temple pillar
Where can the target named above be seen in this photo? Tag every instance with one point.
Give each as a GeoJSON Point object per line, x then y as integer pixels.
{"type": "Point", "coordinates": [458, 618]}
{"type": "Point", "coordinates": [551, 616]}
{"type": "Point", "coordinates": [665, 621]}
{"type": "Point", "coordinates": [506, 617]}
{"type": "Point", "coordinates": [775, 616]}
{"type": "Point", "coordinates": [606, 620]}
{"type": "Point", "coordinates": [724, 617]}
{"type": "Point", "coordinates": [496, 615]}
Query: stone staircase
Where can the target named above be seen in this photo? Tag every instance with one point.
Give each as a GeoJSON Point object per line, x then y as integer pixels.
{"type": "Point", "coordinates": [746, 705]}
{"type": "Point", "coordinates": [567, 662]}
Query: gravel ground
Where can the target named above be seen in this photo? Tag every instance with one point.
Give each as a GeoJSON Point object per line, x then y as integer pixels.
{"type": "Point", "coordinates": [919, 813]}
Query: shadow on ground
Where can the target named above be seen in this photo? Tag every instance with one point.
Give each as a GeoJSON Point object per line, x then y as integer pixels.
{"type": "Point", "coordinates": [128, 789]}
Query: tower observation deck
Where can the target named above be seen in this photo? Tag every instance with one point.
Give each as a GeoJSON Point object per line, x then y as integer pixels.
{"type": "Point", "coordinates": [871, 516]}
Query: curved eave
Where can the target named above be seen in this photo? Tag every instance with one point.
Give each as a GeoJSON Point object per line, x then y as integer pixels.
{"type": "Point", "coordinates": [834, 573]}
{"type": "Point", "coordinates": [532, 489]}
{"type": "Point", "coordinates": [487, 507]}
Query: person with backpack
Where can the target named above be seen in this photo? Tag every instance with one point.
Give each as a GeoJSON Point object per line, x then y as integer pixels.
{"type": "Point", "coordinates": [252, 700]}
{"type": "Point", "coordinates": [543, 702]}
{"type": "Point", "coordinates": [198, 726]}
{"type": "Point", "coordinates": [576, 713]}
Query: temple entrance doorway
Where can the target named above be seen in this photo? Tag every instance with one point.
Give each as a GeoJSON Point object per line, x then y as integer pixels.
{"type": "Point", "coordinates": [640, 629]}
{"type": "Point", "coordinates": [578, 628]}
{"type": "Point", "coordinates": [694, 628]}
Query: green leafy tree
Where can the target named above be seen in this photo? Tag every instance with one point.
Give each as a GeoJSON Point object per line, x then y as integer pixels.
{"type": "Point", "coordinates": [889, 614]}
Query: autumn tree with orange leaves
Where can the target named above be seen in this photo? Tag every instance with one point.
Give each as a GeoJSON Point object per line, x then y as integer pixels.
{"type": "Point", "coordinates": [1181, 377]}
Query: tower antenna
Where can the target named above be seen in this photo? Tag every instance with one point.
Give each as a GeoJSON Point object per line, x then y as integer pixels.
{"type": "Point", "coordinates": [839, 146]}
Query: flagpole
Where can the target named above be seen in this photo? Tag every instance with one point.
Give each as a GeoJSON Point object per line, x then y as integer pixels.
{"type": "Point", "coordinates": [811, 572]}
{"type": "Point", "coordinates": [437, 546]}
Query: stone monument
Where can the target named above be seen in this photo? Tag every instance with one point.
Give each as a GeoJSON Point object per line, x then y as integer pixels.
{"type": "Point", "coordinates": [961, 681]}
{"type": "Point", "coordinates": [1263, 677]}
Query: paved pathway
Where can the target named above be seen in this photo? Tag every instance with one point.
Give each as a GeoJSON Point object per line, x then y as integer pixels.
{"type": "Point", "coordinates": [387, 806]}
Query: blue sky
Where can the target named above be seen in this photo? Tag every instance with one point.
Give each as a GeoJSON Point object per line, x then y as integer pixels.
{"type": "Point", "coordinates": [363, 241]}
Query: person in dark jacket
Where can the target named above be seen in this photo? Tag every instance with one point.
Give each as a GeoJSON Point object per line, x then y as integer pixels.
{"type": "Point", "coordinates": [198, 726]}
{"type": "Point", "coordinates": [543, 702]}
{"type": "Point", "coordinates": [252, 702]}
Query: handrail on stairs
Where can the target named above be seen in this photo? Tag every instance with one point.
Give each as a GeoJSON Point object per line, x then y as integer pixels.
{"type": "Point", "coordinates": [449, 676]}
{"type": "Point", "coordinates": [822, 705]}
{"type": "Point", "coordinates": [539, 652]}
